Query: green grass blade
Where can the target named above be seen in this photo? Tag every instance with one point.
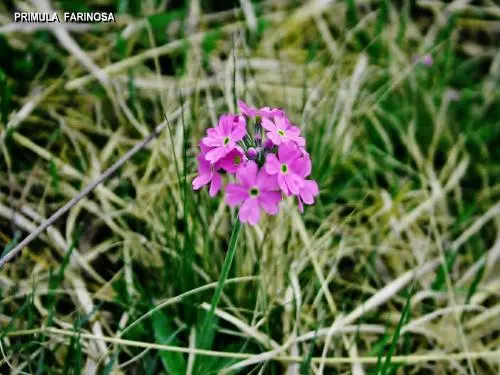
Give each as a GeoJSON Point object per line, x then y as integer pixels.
{"type": "Point", "coordinates": [206, 335]}
{"type": "Point", "coordinates": [174, 363]}
{"type": "Point", "coordinates": [395, 337]}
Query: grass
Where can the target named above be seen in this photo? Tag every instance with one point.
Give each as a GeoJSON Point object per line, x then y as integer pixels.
{"type": "Point", "coordinates": [393, 270]}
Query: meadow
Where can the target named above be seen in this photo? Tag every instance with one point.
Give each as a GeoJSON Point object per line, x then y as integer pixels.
{"type": "Point", "coordinates": [394, 269]}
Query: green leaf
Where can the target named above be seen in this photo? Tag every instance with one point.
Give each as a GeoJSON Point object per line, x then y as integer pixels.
{"type": "Point", "coordinates": [214, 365]}
{"type": "Point", "coordinates": [174, 363]}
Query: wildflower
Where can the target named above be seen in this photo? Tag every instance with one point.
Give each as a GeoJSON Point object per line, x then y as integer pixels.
{"type": "Point", "coordinates": [265, 112]}
{"type": "Point", "coordinates": [424, 60]}
{"type": "Point", "coordinates": [307, 193]}
{"type": "Point", "coordinates": [268, 144]}
{"type": "Point", "coordinates": [223, 138]}
{"type": "Point", "coordinates": [233, 160]}
{"type": "Point", "coordinates": [427, 60]}
{"type": "Point", "coordinates": [256, 190]}
{"type": "Point", "coordinates": [310, 189]}
{"type": "Point", "coordinates": [266, 165]}
{"type": "Point", "coordinates": [280, 131]}
{"type": "Point", "coordinates": [207, 173]}
{"type": "Point", "coordinates": [286, 166]}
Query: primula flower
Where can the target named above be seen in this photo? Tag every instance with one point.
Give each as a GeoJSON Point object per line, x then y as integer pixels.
{"type": "Point", "coordinates": [280, 131]}
{"type": "Point", "coordinates": [287, 167]}
{"type": "Point", "coordinates": [256, 190]}
{"type": "Point", "coordinates": [310, 188]}
{"type": "Point", "coordinates": [307, 193]}
{"type": "Point", "coordinates": [207, 173]}
{"type": "Point", "coordinates": [223, 138]}
{"type": "Point", "coordinates": [424, 60]}
{"type": "Point", "coordinates": [265, 112]}
{"type": "Point", "coordinates": [268, 144]}
{"type": "Point", "coordinates": [233, 160]}
{"type": "Point", "coordinates": [267, 165]}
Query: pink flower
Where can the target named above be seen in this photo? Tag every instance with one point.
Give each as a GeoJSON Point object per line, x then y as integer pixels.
{"type": "Point", "coordinates": [310, 188]}
{"type": "Point", "coordinates": [427, 60]}
{"type": "Point", "coordinates": [252, 153]}
{"type": "Point", "coordinates": [265, 112]}
{"type": "Point", "coordinates": [207, 173]}
{"type": "Point", "coordinates": [222, 139]}
{"type": "Point", "coordinates": [424, 60]}
{"type": "Point", "coordinates": [307, 193]}
{"type": "Point", "coordinates": [280, 131]}
{"type": "Point", "coordinates": [233, 160]}
{"type": "Point", "coordinates": [260, 184]}
{"type": "Point", "coordinates": [268, 144]}
{"type": "Point", "coordinates": [256, 190]}
{"type": "Point", "coordinates": [287, 166]}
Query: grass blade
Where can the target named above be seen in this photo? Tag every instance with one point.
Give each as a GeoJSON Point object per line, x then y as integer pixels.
{"type": "Point", "coordinates": [206, 336]}
{"type": "Point", "coordinates": [395, 337]}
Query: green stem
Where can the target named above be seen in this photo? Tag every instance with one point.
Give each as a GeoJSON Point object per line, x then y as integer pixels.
{"type": "Point", "coordinates": [206, 336]}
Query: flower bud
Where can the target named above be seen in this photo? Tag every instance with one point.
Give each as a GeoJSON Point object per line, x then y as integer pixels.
{"type": "Point", "coordinates": [252, 153]}
{"type": "Point", "coordinates": [268, 144]}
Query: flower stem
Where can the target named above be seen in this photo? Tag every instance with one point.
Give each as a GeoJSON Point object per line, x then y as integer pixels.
{"type": "Point", "coordinates": [207, 332]}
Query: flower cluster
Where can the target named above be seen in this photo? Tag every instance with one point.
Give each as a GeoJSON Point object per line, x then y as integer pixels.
{"type": "Point", "coordinates": [267, 163]}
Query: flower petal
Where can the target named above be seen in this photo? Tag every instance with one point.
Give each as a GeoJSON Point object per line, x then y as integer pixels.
{"type": "Point", "coordinates": [212, 132]}
{"type": "Point", "coordinates": [247, 173]}
{"type": "Point", "coordinates": [215, 185]}
{"type": "Point", "coordinates": [301, 142]}
{"type": "Point", "coordinates": [302, 166]}
{"type": "Point", "coordinates": [294, 183]}
{"type": "Point", "coordinates": [217, 153]}
{"type": "Point", "coordinates": [235, 194]}
{"type": "Point", "coordinates": [281, 123]}
{"type": "Point", "coordinates": [272, 165]}
{"type": "Point", "coordinates": [269, 201]}
{"type": "Point", "coordinates": [293, 131]}
{"type": "Point", "coordinates": [245, 109]}
{"type": "Point", "coordinates": [301, 206]}
{"type": "Point", "coordinates": [266, 182]}
{"type": "Point", "coordinates": [275, 138]}
{"type": "Point", "coordinates": [268, 124]}
{"type": "Point", "coordinates": [229, 162]}
{"type": "Point", "coordinates": [201, 181]}
{"type": "Point", "coordinates": [204, 149]}
{"type": "Point", "coordinates": [309, 191]}
{"type": "Point", "coordinates": [250, 211]}
{"type": "Point", "coordinates": [238, 132]}
{"type": "Point", "coordinates": [282, 184]}
{"type": "Point", "coordinates": [226, 124]}
{"type": "Point", "coordinates": [288, 152]}
{"type": "Point", "coordinates": [212, 141]}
